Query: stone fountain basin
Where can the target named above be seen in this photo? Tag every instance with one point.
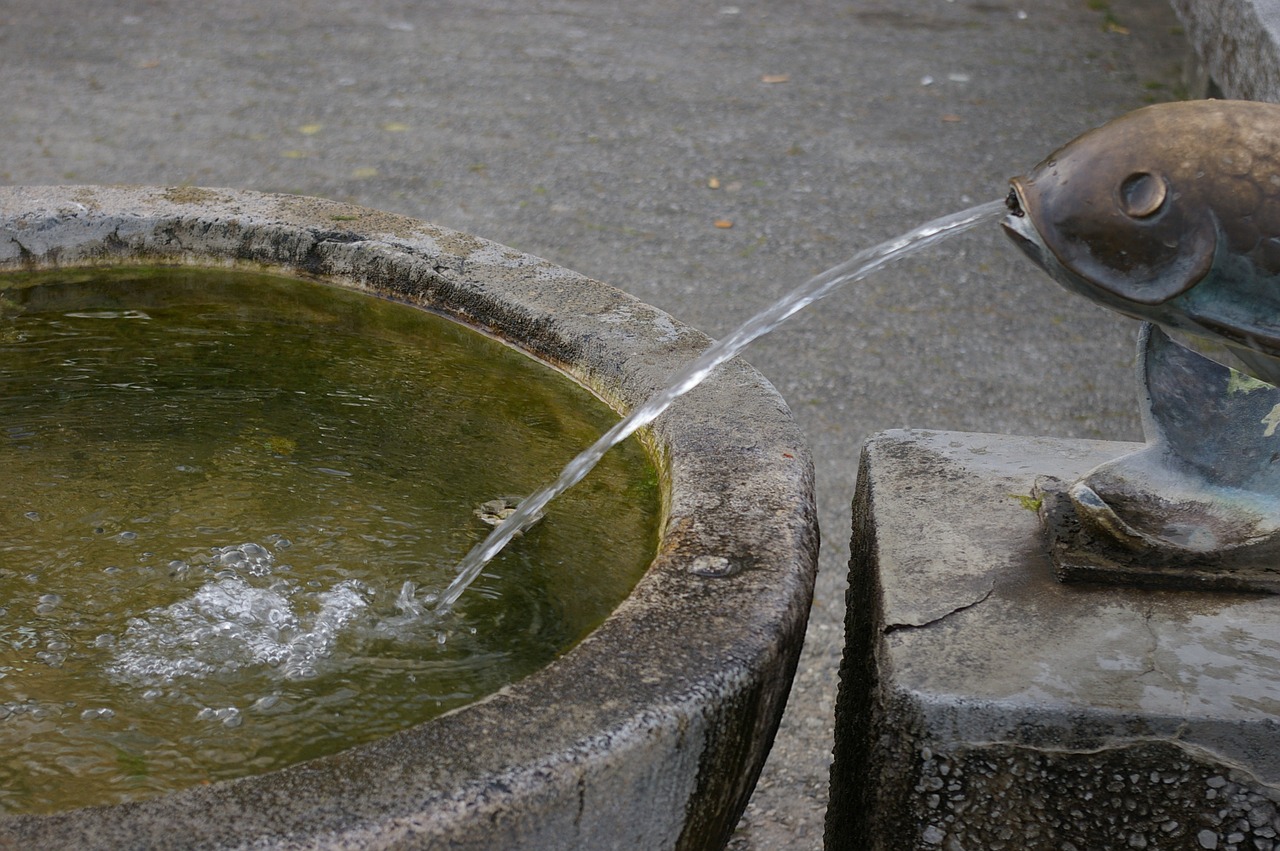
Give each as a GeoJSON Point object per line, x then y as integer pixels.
{"type": "Point", "coordinates": [648, 734]}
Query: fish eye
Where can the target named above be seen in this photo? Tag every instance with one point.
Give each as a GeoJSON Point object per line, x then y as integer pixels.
{"type": "Point", "coordinates": [1142, 194]}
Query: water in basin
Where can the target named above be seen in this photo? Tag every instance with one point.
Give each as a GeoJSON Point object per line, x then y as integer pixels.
{"type": "Point", "coordinates": [214, 489]}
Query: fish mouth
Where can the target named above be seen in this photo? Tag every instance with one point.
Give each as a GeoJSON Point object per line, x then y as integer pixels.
{"type": "Point", "coordinates": [1018, 226]}
{"type": "Point", "coordinates": [1014, 200]}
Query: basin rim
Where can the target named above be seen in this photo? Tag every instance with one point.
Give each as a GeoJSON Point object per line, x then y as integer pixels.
{"type": "Point", "coordinates": [647, 734]}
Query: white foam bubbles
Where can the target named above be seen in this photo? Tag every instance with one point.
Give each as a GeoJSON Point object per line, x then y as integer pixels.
{"type": "Point", "coordinates": [242, 618]}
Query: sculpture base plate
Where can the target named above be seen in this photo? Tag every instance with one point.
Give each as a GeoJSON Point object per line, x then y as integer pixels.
{"type": "Point", "coordinates": [1079, 556]}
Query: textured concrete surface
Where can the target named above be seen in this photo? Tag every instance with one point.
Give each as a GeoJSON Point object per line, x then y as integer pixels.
{"type": "Point", "coordinates": [1010, 710]}
{"type": "Point", "coordinates": [646, 735]}
{"type": "Point", "coordinates": [1237, 43]}
{"type": "Point", "coordinates": [591, 133]}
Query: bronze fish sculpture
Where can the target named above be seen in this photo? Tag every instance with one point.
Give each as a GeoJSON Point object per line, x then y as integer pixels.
{"type": "Point", "coordinates": [1171, 215]}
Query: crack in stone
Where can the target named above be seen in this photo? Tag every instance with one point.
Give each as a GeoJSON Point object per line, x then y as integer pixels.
{"type": "Point", "coordinates": [1152, 666]}
{"type": "Point", "coordinates": [895, 627]}
{"type": "Point", "coordinates": [23, 252]}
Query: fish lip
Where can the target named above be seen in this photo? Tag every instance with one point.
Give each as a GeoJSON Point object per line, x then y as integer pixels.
{"type": "Point", "coordinates": [1018, 226]}
{"type": "Point", "coordinates": [1024, 236]}
{"type": "Point", "coordinates": [1017, 230]}
{"type": "Point", "coordinates": [1016, 200]}
{"type": "Point", "coordinates": [1017, 207]}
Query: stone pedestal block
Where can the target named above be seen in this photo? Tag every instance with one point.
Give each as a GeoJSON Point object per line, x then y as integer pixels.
{"type": "Point", "coordinates": [985, 706]}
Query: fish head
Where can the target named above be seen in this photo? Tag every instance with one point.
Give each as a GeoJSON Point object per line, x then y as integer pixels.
{"type": "Point", "coordinates": [1124, 214]}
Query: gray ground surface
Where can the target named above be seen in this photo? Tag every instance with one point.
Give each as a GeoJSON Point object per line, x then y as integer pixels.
{"type": "Point", "coordinates": [590, 133]}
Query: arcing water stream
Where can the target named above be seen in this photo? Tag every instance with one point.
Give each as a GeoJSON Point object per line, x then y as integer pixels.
{"type": "Point", "coordinates": [690, 376]}
{"type": "Point", "coordinates": [151, 446]}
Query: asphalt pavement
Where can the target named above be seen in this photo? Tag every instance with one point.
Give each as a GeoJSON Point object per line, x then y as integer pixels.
{"type": "Point", "coordinates": [704, 156]}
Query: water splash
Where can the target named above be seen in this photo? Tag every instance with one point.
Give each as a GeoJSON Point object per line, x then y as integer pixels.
{"type": "Point", "coordinates": [692, 374]}
{"type": "Point", "coordinates": [243, 618]}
